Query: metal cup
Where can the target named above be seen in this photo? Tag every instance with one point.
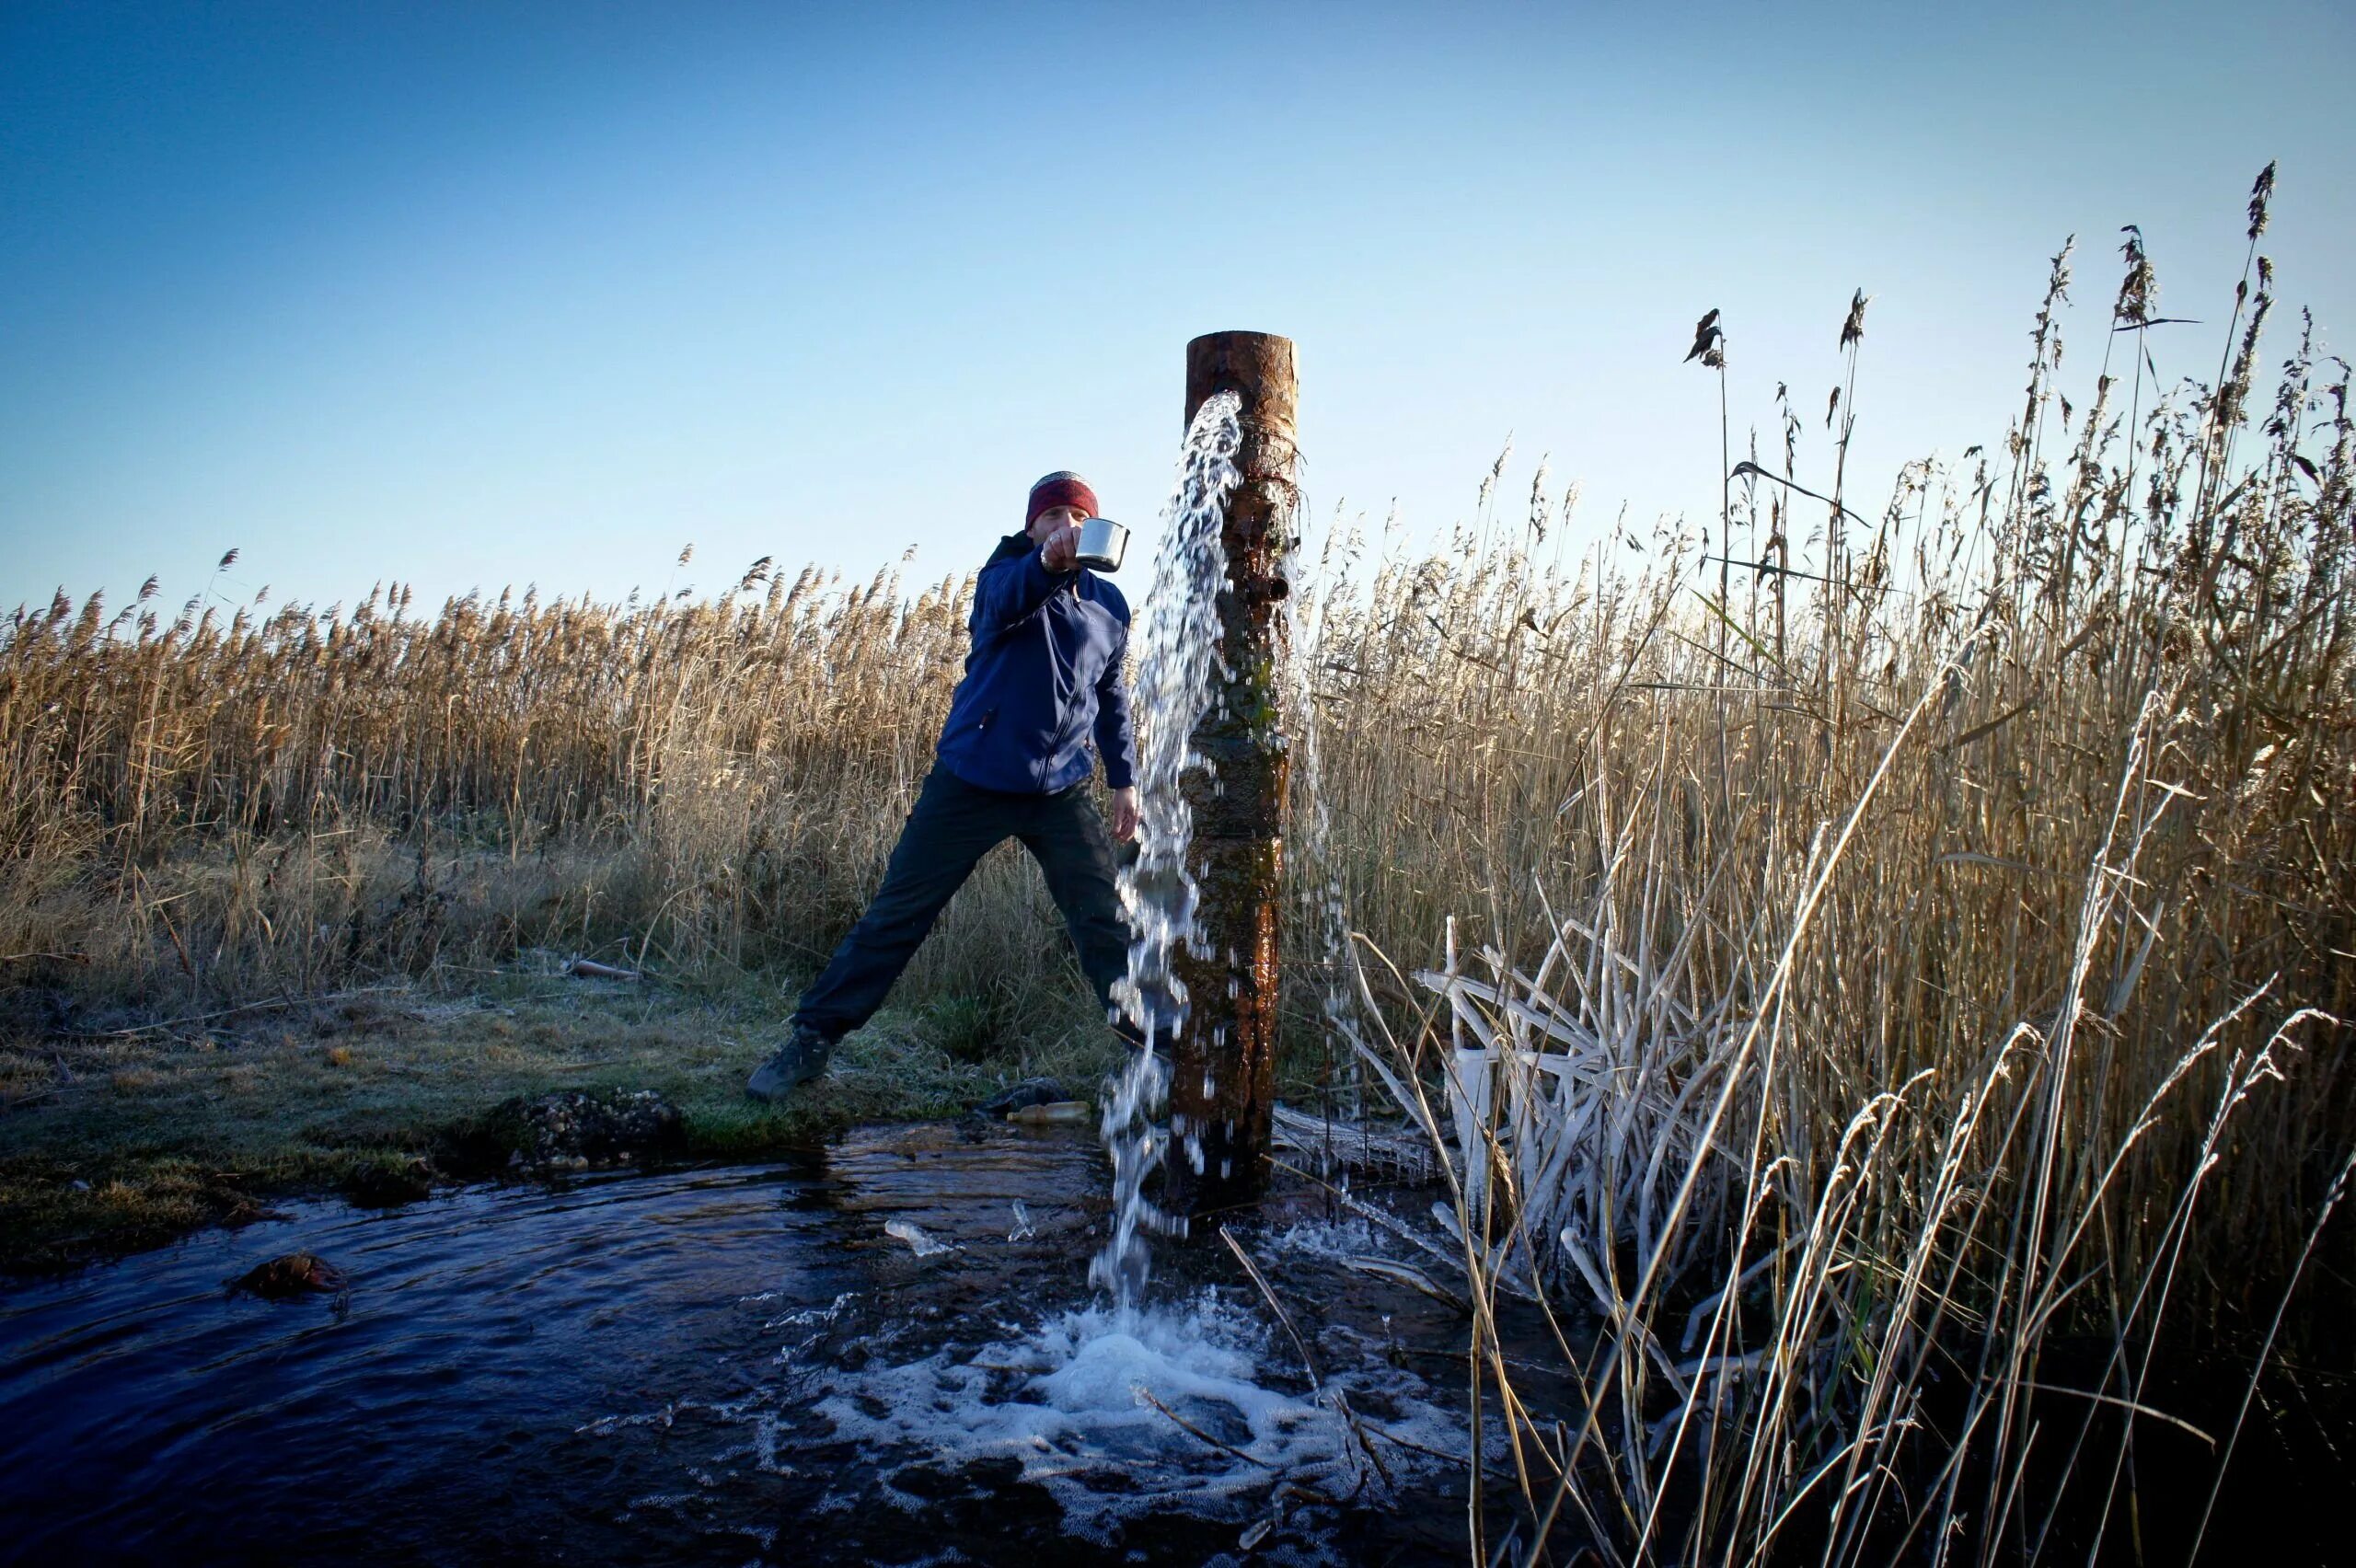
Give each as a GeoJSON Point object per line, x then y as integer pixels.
{"type": "Point", "coordinates": [1103, 542]}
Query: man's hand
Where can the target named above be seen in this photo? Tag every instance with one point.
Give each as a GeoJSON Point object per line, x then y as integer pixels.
{"type": "Point", "coordinates": [1125, 815]}
{"type": "Point", "coordinates": [1060, 549]}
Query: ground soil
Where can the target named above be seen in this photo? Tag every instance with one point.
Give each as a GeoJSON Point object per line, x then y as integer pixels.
{"type": "Point", "coordinates": [115, 1138]}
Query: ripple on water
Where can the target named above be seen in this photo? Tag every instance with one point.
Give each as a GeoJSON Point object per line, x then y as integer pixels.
{"type": "Point", "coordinates": [658, 1368]}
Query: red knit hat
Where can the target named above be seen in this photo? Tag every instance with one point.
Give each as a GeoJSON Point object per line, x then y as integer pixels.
{"type": "Point", "coordinates": [1062, 488]}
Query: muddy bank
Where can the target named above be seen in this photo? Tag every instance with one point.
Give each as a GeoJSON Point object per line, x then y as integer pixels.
{"type": "Point", "coordinates": [117, 1139]}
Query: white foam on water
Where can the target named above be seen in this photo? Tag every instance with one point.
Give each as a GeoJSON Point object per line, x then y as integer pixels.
{"type": "Point", "coordinates": [808, 1317]}
{"type": "Point", "coordinates": [1332, 1240]}
{"type": "Point", "coordinates": [920, 1241]}
{"type": "Point", "coordinates": [1067, 1402]}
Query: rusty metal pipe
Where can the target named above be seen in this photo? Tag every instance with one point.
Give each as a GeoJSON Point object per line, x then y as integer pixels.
{"type": "Point", "coordinates": [1223, 1081]}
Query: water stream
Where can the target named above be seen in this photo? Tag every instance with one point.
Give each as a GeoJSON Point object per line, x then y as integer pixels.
{"type": "Point", "coordinates": [1175, 679]}
{"type": "Point", "coordinates": [888, 1355]}
{"type": "Point", "coordinates": [740, 1365]}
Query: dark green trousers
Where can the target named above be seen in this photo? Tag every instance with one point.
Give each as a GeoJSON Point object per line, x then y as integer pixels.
{"type": "Point", "coordinates": [953, 826]}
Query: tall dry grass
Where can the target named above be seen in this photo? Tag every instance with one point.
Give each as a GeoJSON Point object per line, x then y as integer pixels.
{"type": "Point", "coordinates": [1911, 936]}
{"type": "Point", "coordinates": [226, 806]}
{"type": "Point", "coordinates": [1900, 1007]}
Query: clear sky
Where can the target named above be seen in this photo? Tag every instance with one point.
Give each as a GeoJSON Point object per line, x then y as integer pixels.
{"type": "Point", "coordinates": [481, 293]}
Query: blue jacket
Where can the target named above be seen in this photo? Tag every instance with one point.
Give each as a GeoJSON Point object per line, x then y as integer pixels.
{"type": "Point", "coordinates": [1044, 670]}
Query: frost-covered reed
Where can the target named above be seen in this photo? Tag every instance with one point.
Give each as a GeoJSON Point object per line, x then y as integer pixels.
{"type": "Point", "coordinates": [1891, 1012]}
{"type": "Point", "coordinates": [1904, 943]}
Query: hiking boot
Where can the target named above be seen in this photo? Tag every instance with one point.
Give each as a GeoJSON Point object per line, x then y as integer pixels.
{"type": "Point", "coordinates": [798, 1061]}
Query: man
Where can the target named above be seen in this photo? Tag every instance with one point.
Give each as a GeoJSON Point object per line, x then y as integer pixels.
{"type": "Point", "coordinates": [1013, 761]}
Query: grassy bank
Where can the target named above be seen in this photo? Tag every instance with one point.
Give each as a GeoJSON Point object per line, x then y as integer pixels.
{"type": "Point", "coordinates": [2019, 781]}
{"type": "Point", "coordinates": [123, 1139]}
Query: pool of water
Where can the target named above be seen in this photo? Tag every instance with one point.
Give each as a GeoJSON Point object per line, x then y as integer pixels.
{"type": "Point", "coordinates": [888, 1354]}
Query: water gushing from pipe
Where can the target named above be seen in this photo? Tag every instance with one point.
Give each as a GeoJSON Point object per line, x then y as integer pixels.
{"type": "Point", "coordinates": [1177, 671]}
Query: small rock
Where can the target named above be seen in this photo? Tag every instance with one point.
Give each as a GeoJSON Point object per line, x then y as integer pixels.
{"type": "Point", "coordinates": [245, 1211]}
{"type": "Point", "coordinates": [568, 1130]}
{"type": "Point", "coordinates": [295, 1275]}
{"type": "Point", "coordinates": [390, 1185]}
{"type": "Point", "coordinates": [1029, 1093]}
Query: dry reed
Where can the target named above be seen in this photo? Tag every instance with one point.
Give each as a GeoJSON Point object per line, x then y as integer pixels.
{"type": "Point", "coordinates": [1904, 1031]}
{"type": "Point", "coordinates": [1899, 942]}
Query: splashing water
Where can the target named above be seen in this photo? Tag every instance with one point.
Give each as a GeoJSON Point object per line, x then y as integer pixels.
{"type": "Point", "coordinates": [1171, 1399]}
{"type": "Point", "coordinates": [646, 1368]}
{"type": "Point", "coordinates": [1178, 668]}
{"type": "Point", "coordinates": [1167, 1397]}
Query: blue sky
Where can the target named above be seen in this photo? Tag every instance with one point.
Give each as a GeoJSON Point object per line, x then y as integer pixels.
{"type": "Point", "coordinates": [473, 294]}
